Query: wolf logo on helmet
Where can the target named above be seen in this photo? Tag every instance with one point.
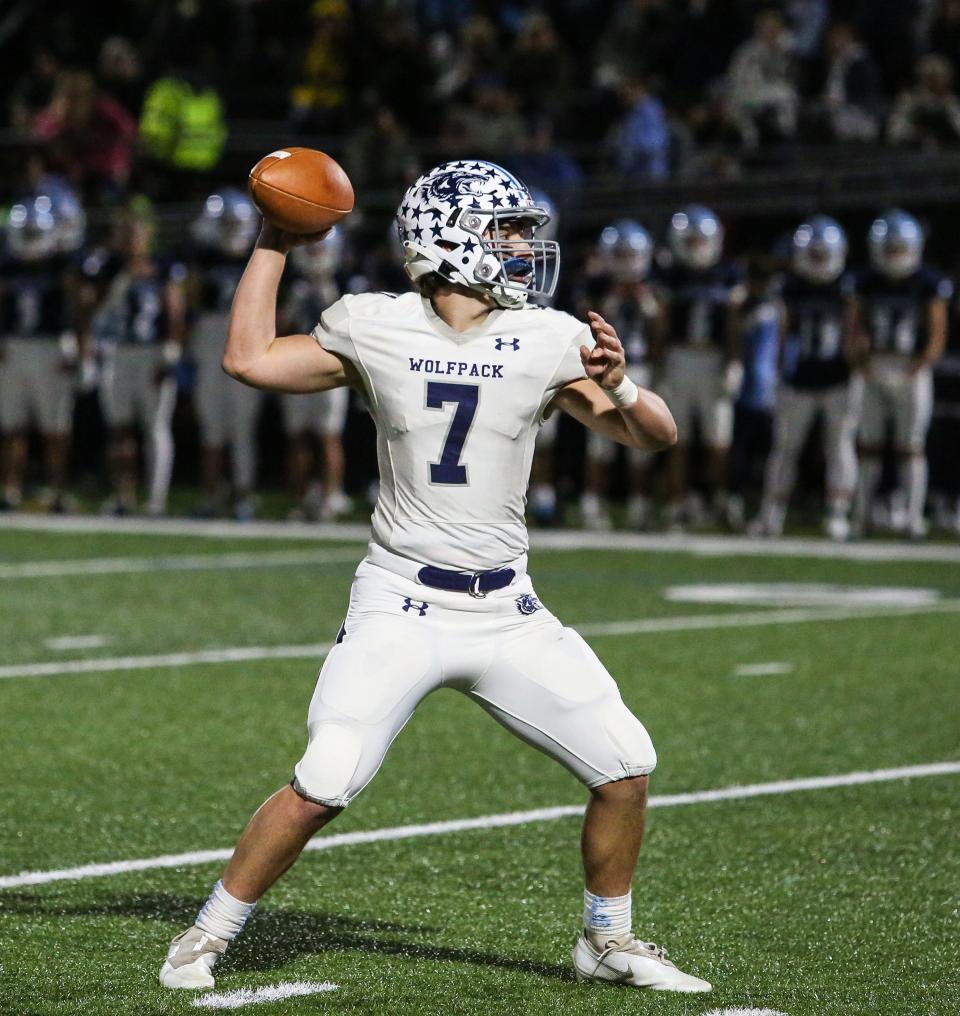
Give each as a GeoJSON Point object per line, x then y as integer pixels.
{"type": "Point", "coordinates": [474, 225]}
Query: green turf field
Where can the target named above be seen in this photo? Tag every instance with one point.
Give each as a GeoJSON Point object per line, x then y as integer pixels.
{"type": "Point", "coordinates": [840, 901]}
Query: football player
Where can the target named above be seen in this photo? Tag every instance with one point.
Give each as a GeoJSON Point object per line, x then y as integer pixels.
{"type": "Point", "coordinates": [701, 365]}
{"type": "Point", "coordinates": [319, 416]}
{"type": "Point", "coordinates": [223, 234]}
{"type": "Point", "coordinates": [815, 377]}
{"type": "Point", "coordinates": [617, 283]}
{"type": "Point", "coordinates": [39, 347]}
{"type": "Point", "coordinates": [140, 325]}
{"type": "Point", "coordinates": [902, 315]}
{"type": "Point", "coordinates": [458, 375]}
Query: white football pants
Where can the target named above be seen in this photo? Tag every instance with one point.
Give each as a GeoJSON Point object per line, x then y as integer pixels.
{"type": "Point", "coordinates": [402, 640]}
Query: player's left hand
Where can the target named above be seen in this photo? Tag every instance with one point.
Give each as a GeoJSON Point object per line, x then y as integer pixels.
{"type": "Point", "coordinates": [605, 363]}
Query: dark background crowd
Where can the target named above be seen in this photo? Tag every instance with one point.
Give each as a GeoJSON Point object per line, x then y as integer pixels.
{"type": "Point", "coordinates": [766, 112]}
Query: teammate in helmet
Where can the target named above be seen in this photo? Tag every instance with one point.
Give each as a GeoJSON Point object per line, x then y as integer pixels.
{"type": "Point", "coordinates": [700, 361]}
{"type": "Point", "coordinates": [458, 376]}
{"type": "Point", "coordinates": [140, 327]}
{"type": "Point", "coordinates": [617, 282]}
{"type": "Point", "coordinates": [902, 317]}
{"type": "Point", "coordinates": [39, 347]}
{"type": "Point", "coordinates": [223, 234]}
{"type": "Point", "coordinates": [815, 356]}
{"type": "Point", "coordinates": [319, 416]}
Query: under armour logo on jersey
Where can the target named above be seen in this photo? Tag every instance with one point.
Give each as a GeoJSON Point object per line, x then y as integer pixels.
{"type": "Point", "coordinates": [514, 344]}
{"type": "Point", "coordinates": [420, 606]}
{"type": "Point", "coordinates": [528, 603]}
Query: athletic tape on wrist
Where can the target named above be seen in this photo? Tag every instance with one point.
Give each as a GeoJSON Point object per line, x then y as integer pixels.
{"type": "Point", "coordinates": [625, 394]}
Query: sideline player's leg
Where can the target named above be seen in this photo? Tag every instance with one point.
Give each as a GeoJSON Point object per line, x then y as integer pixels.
{"type": "Point", "coordinates": [841, 410]}
{"type": "Point", "coordinates": [794, 417]}
{"type": "Point", "coordinates": [369, 685]}
{"type": "Point", "coordinates": [873, 421]}
{"type": "Point", "coordinates": [912, 412]}
{"type": "Point", "coordinates": [547, 686]}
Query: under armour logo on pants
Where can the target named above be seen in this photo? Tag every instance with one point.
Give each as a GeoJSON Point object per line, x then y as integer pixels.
{"type": "Point", "coordinates": [419, 606]}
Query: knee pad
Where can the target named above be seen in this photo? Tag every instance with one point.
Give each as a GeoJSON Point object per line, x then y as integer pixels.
{"type": "Point", "coordinates": [327, 773]}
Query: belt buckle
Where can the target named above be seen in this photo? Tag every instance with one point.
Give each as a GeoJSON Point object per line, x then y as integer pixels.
{"type": "Point", "coordinates": [474, 587]}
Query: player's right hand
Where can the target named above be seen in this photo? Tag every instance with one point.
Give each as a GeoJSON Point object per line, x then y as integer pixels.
{"type": "Point", "coordinates": [273, 238]}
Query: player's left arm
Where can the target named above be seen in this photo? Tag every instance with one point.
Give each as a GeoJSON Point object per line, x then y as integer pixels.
{"type": "Point", "coordinates": [936, 335]}
{"type": "Point", "coordinates": [647, 423]}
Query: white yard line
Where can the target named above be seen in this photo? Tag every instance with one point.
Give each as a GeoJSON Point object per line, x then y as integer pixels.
{"type": "Point", "coordinates": [643, 626]}
{"type": "Point", "coordinates": [736, 1012]}
{"type": "Point", "coordinates": [514, 818]}
{"type": "Point", "coordinates": [254, 996]}
{"type": "Point", "coordinates": [175, 563]}
{"type": "Point", "coordinates": [707, 546]}
{"type": "Point", "coordinates": [64, 643]}
{"type": "Point", "coordinates": [762, 669]}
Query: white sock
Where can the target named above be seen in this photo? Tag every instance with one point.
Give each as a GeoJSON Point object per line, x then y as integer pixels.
{"type": "Point", "coordinates": [913, 478]}
{"type": "Point", "coordinates": [223, 915]}
{"type": "Point", "coordinates": [607, 915]}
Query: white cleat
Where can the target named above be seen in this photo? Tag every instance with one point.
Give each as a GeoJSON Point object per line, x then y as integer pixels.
{"type": "Point", "coordinates": [627, 960]}
{"type": "Point", "coordinates": [189, 963]}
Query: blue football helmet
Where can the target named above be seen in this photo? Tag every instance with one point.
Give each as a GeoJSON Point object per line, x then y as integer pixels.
{"type": "Point", "coordinates": [228, 223]}
{"type": "Point", "coordinates": [625, 251]}
{"type": "Point", "coordinates": [452, 223]}
{"type": "Point", "coordinates": [819, 250]}
{"type": "Point", "coordinates": [44, 225]}
{"type": "Point", "coordinates": [695, 237]}
{"type": "Point", "coordinates": [896, 244]}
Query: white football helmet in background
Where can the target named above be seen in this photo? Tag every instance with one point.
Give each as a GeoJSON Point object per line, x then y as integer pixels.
{"type": "Point", "coordinates": [228, 223]}
{"type": "Point", "coordinates": [695, 237]}
{"type": "Point", "coordinates": [819, 250]}
{"type": "Point", "coordinates": [896, 244]}
{"type": "Point", "coordinates": [451, 222]}
{"type": "Point", "coordinates": [624, 250]}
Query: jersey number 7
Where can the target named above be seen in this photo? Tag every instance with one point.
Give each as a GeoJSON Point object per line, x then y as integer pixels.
{"type": "Point", "coordinates": [465, 397]}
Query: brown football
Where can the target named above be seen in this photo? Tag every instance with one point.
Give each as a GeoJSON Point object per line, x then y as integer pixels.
{"type": "Point", "coordinates": [301, 190]}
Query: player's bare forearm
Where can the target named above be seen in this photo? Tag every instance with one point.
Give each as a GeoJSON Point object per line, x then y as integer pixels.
{"type": "Point", "coordinates": [937, 334]}
{"type": "Point", "coordinates": [254, 353]}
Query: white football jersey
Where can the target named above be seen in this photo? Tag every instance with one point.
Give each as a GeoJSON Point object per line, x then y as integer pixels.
{"type": "Point", "coordinates": [457, 414]}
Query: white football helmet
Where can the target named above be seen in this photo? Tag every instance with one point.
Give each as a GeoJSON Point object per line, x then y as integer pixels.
{"type": "Point", "coordinates": [695, 236]}
{"type": "Point", "coordinates": [453, 222]}
{"type": "Point", "coordinates": [625, 250]}
{"type": "Point", "coordinates": [896, 244]}
{"type": "Point", "coordinates": [819, 251]}
{"type": "Point", "coordinates": [228, 223]}
{"type": "Point", "coordinates": [45, 225]}
{"type": "Point", "coordinates": [321, 260]}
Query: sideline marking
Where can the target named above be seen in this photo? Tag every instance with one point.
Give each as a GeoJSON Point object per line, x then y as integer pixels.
{"type": "Point", "coordinates": [76, 642]}
{"type": "Point", "coordinates": [738, 1012]}
{"type": "Point", "coordinates": [569, 539]}
{"type": "Point", "coordinates": [513, 818]}
{"type": "Point", "coordinates": [643, 626]}
{"type": "Point", "coordinates": [800, 594]}
{"type": "Point", "coordinates": [762, 669]}
{"type": "Point", "coordinates": [271, 993]}
{"type": "Point", "coordinates": [173, 563]}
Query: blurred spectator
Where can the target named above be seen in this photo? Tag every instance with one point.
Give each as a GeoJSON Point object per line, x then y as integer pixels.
{"type": "Point", "coordinates": [87, 133]}
{"type": "Point", "coordinates": [640, 38]}
{"type": "Point", "coordinates": [379, 154]}
{"type": "Point", "coordinates": [807, 20]}
{"type": "Point", "coordinates": [33, 90]}
{"type": "Point", "coordinates": [762, 82]}
{"type": "Point", "coordinates": [395, 71]}
{"type": "Point", "coordinates": [540, 163]}
{"type": "Point", "coordinates": [851, 98]}
{"type": "Point", "coordinates": [945, 33]}
{"type": "Point", "coordinates": [718, 136]}
{"type": "Point", "coordinates": [120, 73]}
{"type": "Point", "coordinates": [182, 124]}
{"type": "Point", "coordinates": [640, 142]}
{"type": "Point", "coordinates": [476, 51]}
{"type": "Point", "coordinates": [927, 115]}
{"type": "Point", "coordinates": [318, 100]}
{"type": "Point", "coordinates": [538, 67]}
{"type": "Point", "coordinates": [490, 125]}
